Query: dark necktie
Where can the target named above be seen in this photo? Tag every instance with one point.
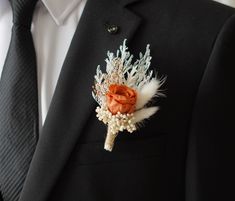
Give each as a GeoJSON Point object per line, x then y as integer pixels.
{"type": "Point", "coordinates": [18, 103]}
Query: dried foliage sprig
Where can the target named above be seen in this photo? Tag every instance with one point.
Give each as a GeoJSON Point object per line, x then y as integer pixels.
{"type": "Point", "coordinates": [123, 92]}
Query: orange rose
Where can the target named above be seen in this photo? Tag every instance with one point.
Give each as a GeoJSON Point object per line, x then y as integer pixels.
{"type": "Point", "coordinates": [121, 98]}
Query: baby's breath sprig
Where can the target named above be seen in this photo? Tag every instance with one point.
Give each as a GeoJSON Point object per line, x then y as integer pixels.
{"type": "Point", "coordinates": [116, 123]}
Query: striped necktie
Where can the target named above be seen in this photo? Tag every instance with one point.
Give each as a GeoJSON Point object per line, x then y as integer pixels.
{"type": "Point", "coordinates": [18, 103]}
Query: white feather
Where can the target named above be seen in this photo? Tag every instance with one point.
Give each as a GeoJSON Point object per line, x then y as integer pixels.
{"type": "Point", "coordinates": [147, 92]}
{"type": "Point", "coordinates": [144, 113]}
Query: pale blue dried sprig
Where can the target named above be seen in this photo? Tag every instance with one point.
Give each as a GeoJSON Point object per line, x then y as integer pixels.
{"type": "Point", "coordinates": [120, 69]}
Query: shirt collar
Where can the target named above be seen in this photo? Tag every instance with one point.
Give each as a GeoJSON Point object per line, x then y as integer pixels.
{"type": "Point", "coordinates": [4, 5]}
{"type": "Point", "coordinates": [60, 9]}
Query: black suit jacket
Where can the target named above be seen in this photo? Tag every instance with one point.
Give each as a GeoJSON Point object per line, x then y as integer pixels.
{"type": "Point", "coordinates": [186, 151]}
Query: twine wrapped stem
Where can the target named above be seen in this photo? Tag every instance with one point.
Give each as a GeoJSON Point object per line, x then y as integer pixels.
{"type": "Point", "coordinates": [110, 140]}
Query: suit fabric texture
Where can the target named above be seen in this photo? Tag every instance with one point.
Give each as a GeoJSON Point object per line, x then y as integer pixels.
{"type": "Point", "coordinates": [185, 152]}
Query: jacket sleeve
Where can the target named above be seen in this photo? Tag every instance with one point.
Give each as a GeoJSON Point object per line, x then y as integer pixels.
{"type": "Point", "coordinates": [211, 146]}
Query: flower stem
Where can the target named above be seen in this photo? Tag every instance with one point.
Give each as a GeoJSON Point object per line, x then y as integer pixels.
{"type": "Point", "coordinates": [110, 139]}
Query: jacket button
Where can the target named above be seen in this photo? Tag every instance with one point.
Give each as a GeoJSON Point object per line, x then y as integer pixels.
{"type": "Point", "coordinates": [112, 29]}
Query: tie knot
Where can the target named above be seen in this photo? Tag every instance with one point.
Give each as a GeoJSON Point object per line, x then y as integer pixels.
{"type": "Point", "coordinates": [23, 11]}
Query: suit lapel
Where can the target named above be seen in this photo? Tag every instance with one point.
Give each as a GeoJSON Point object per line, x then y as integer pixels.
{"type": "Point", "coordinates": [72, 102]}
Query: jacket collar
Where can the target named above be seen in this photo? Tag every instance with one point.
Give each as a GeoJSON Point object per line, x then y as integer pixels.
{"type": "Point", "coordinates": [126, 2]}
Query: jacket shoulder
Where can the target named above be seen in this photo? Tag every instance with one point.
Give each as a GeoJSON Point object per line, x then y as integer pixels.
{"type": "Point", "coordinates": [205, 11]}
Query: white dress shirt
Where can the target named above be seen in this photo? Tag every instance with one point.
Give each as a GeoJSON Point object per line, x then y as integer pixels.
{"type": "Point", "coordinates": [227, 2]}
{"type": "Point", "coordinates": [54, 24]}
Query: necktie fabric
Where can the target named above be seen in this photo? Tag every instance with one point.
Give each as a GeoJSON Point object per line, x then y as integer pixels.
{"type": "Point", "coordinates": [18, 103]}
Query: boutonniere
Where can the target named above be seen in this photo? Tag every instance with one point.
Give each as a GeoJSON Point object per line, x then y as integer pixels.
{"type": "Point", "coordinates": [123, 92]}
